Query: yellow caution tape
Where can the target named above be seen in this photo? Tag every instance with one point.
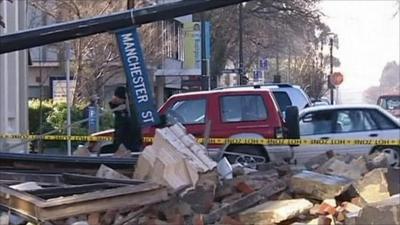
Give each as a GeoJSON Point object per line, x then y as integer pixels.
{"type": "Point", "coordinates": [265, 141]}
{"type": "Point", "coordinates": [55, 137]}
{"type": "Point", "coordinates": [220, 141]}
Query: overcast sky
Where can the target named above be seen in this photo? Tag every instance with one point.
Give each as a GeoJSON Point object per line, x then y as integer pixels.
{"type": "Point", "coordinates": [368, 38]}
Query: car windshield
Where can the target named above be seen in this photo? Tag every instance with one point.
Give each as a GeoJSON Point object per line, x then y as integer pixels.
{"type": "Point", "coordinates": [391, 103]}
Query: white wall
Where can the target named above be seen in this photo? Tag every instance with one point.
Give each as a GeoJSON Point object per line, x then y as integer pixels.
{"type": "Point", "coordinates": [13, 78]}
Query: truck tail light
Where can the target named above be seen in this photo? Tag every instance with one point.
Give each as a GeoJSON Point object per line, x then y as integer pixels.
{"type": "Point", "coordinates": [279, 132]}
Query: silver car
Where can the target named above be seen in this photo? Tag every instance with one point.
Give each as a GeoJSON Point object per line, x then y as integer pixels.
{"type": "Point", "coordinates": [348, 122]}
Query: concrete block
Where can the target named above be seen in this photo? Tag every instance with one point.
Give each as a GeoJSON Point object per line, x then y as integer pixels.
{"type": "Point", "coordinates": [373, 187]}
{"type": "Point", "coordinates": [382, 212]}
{"type": "Point", "coordinates": [319, 186]}
{"type": "Point", "coordinates": [178, 129]}
{"type": "Point", "coordinates": [393, 179]}
{"type": "Point", "coordinates": [145, 163]}
{"type": "Point", "coordinates": [106, 172]}
{"type": "Point", "coordinates": [122, 152]}
{"type": "Point", "coordinates": [275, 211]}
{"type": "Point", "coordinates": [81, 151]}
{"type": "Point", "coordinates": [331, 202]}
{"type": "Point", "coordinates": [317, 161]}
{"type": "Point", "coordinates": [377, 160]}
{"type": "Point", "coordinates": [170, 162]}
{"type": "Point", "coordinates": [315, 209]}
{"type": "Point", "coordinates": [355, 169]}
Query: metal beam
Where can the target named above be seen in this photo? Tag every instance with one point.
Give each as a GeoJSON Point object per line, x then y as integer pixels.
{"type": "Point", "coordinates": [81, 28]}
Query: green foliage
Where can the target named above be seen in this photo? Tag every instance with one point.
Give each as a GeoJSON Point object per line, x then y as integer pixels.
{"type": "Point", "coordinates": [107, 121]}
{"type": "Point", "coordinates": [58, 118]}
{"type": "Point", "coordinates": [54, 117]}
{"type": "Point", "coordinates": [34, 116]}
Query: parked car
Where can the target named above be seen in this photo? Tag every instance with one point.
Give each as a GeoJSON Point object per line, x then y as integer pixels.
{"type": "Point", "coordinates": [234, 113]}
{"type": "Point", "coordinates": [286, 95]}
{"type": "Point", "coordinates": [347, 122]}
{"type": "Point", "coordinates": [391, 103]}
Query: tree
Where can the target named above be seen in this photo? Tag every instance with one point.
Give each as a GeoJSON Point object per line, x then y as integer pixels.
{"type": "Point", "coordinates": [389, 83]}
{"type": "Point", "coordinates": [284, 30]}
{"type": "Point", "coordinates": [95, 59]}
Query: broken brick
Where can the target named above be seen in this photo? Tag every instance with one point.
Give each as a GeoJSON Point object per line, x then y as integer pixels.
{"type": "Point", "coordinates": [198, 219]}
{"type": "Point", "coordinates": [350, 207]}
{"type": "Point", "coordinates": [244, 187]}
{"type": "Point", "coordinates": [325, 209]}
{"type": "Point", "coordinates": [324, 220]}
{"type": "Point", "coordinates": [227, 220]}
{"type": "Point", "coordinates": [176, 219]}
{"type": "Point", "coordinates": [94, 218]}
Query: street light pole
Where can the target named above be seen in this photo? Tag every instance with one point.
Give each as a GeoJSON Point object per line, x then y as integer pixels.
{"type": "Point", "coordinates": [68, 75]}
{"type": "Point", "coordinates": [241, 71]}
{"type": "Point", "coordinates": [330, 85]}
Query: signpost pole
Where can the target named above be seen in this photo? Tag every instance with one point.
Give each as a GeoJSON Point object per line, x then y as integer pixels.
{"type": "Point", "coordinates": [68, 74]}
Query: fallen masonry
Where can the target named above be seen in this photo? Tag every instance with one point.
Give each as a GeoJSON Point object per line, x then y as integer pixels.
{"type": "Point", "coordinates": [175, 182]}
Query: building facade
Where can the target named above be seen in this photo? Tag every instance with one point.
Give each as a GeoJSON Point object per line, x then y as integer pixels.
{"type": "Point", "coordinates": [13, 79]}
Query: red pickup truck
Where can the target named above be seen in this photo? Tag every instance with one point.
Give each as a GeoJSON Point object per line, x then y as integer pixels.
{"type": "Point", "coordinates": [233, 113]}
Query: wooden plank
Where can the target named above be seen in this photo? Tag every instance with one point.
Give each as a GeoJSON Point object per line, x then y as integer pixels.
{"type": "Point", "coordinates": [6, 193]}
{"type": "Point", "coordinates": [100, 205]}
{"type": "Point", "coordinates": [97, 201]}
{"type": "Point", "coordinates": [99, 194]}
{"type": "Point", "coordinates": [53, 192]}
{"type": "Point", "coordinates": [32, 176]}
{"type": "Point", "coordinates": [20, 202]}
{"type": "Point", "coordinates": [271, 188]}
{"type": "Point", "coordinates": [87, 179]}
{"type": "Point", "coordinates": [62, 163]}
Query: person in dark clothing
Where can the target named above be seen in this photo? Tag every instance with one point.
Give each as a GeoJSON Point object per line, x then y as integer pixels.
{"type": "Point", "coordinates": [127, 130]}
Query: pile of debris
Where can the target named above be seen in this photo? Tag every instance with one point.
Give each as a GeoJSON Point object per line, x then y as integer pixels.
{"type": "Point", "coordinates": [176, 182]}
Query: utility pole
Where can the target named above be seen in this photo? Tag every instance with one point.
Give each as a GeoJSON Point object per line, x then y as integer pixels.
{"type": "Point", "coordinates": [130, 4]}
{"type": "Point", "coordinates": [241, 70]}
{"type": "Point", "coordinates": [330, 85]}
{"type": "Point", "coordinates": [277, 77]}
{"type": "Point", "coordinates": [68, 76]}
{"type": "Point", "coordinates": [203, 65]}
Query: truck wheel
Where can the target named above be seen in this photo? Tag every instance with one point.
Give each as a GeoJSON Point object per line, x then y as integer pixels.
{"type": "Point", "coordinates": [392, 154]}
{"type": "Point", "coordinates": [246, 154]}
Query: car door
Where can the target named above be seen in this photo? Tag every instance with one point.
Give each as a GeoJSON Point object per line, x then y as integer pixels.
{"type": "Point", "coordinates": [314, 125]}
{"type": "Point", "coordinates": [385, 126]}
{"type": "Point", "coordinates": [355, 124]}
